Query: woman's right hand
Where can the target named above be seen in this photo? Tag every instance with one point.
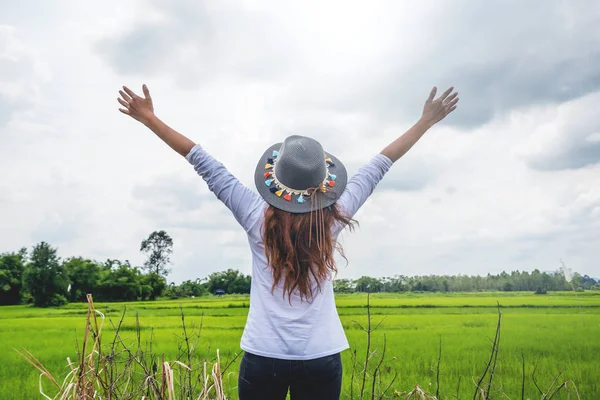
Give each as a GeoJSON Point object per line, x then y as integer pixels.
{"type": "Point", "coordinates": [433, 112]}
{"type": "Point", "coordinates": [138, 108]}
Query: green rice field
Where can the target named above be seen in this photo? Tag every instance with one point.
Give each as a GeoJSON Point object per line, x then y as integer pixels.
{"type": "Point", "coordinates": [554, 332]}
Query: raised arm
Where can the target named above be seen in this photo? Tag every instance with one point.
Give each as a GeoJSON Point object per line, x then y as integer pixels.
{"type": "Point", "coordinates": [433, 112]}
{"type": "Point", "coordinates": [243, 203]}
{"type": "Point", "coordinates": [363, 183]}
{"type": "Point", "coordinates": [142, 109]}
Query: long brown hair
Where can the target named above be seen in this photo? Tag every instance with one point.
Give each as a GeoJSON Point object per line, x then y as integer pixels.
{"type": "Point", "coordinates": [300, 247]}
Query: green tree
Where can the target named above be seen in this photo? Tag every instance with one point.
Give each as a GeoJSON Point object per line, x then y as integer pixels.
{"type": "Point", "coordinates": [85, 276]}
{"type": "Point", "coordinates": [231, 281]}
{"type": "Point", "coordinates": [368, 284]}
{"type": "Point", "coordinates": [12, 268]}
{"type": "Point", "coordinates": [540, 290]}
{"type": "Point", "coordinates": [45, 277]}
{"type": "Point", "coordinates": [587, 282]}
{"type": "Point", "coordinates": [342, 286]}
{"type": "Point", "coordinates": [186, 289]}
{"type": "Point", "coordinates": [156, 283]}
{"type": "Point", "coordinates": [396, 284]}
{"type": "Point", "coordinates": [158, 247]}
{"type": "Point", "coordinates": [193, 288]}
{"type": "Point", "coordinates": [121, 282]}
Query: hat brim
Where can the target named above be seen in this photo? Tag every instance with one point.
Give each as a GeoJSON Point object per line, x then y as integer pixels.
{"type": "Point", "coordinates": [323, 199]}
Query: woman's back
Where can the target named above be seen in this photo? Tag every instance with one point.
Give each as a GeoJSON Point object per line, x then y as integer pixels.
{"type": "Point", "coordinates": [280, 326]}
{"type": "Point", "coordinates": [295, 329]}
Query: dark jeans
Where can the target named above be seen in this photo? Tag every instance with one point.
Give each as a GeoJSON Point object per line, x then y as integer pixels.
{"type": "Point", "coordinates": [263, 378]}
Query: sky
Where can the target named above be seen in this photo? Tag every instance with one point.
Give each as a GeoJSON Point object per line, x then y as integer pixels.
{"type": "Point", "coordinates": [509, 181]}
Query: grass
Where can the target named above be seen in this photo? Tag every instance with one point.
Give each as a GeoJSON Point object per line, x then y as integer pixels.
{"type": "Point", "coordinates": [553, 332]}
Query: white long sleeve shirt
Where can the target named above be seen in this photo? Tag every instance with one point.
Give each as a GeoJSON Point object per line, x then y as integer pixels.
{"type": "Point", "coordinates": [275, 328]}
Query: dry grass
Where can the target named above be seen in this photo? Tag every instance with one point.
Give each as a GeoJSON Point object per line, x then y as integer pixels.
{"type": "Point", "coordinates": [129, 371]}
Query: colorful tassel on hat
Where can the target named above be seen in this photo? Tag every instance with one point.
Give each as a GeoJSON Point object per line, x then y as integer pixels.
{"type": "Point", "coordinates": [274, 189]}
{"type": "Point", "coordinates": [288, 197]}
{"type": "Point", "coordinates": [300, 199]}
{"type": "Point", "coordinates": [270, 160]}
{"type": "Point", "coordinates": [331, 183]}
{"type": "Point", "coordinates": [268, 166]}
{"type": "Point", "coordinates": [332, 177]}
{"type": "Point", "coordinates": [268, 182]}
{"type": "Point", "coordinates": [268, 174]}
{"type": "Point", "coordinates": [328, 160]}
{"type": "Point", "coordinates": [279, 192]}
{"type": "Point", "coordinates": [275, 153]}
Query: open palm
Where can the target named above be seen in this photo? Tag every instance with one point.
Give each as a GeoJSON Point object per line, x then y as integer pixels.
{"type": "Point", "coordinates": [139, 108]}
{"type": "Point", "coordinates": [436, 110]}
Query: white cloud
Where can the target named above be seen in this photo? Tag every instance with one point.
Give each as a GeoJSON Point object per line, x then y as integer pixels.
{"type": "Point", "coordinates": [566, 138]}
{"type": "Point", "coordinates": [509, 181]}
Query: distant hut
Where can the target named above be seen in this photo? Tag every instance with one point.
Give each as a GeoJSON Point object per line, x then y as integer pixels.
{"type": "Point", "coordinates": [219, 292]}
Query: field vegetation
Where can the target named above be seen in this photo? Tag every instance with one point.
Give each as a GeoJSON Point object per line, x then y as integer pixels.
{"type": "Point", "coordinates": [547, 339]}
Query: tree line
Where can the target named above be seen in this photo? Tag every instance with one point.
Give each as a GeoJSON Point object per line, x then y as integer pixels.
{"type": "Point", "coordinates": [41, 278]}
{"type": "Point", "coordinates": [536, 281]}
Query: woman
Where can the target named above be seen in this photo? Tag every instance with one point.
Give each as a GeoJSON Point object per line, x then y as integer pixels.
{"type": "Point", "coordinates": [293, 335]}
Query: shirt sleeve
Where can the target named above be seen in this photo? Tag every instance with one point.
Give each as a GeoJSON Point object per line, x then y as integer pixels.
{"type": "Point", "coordinates": [243, 203]}
{"type": "Point", "coordinates": [363, 183]}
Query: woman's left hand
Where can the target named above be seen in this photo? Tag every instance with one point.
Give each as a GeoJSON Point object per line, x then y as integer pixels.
{"type": "Point", "coordinates": [138, 108]}
{"type": "Point", "coordinates": [436, 110]}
